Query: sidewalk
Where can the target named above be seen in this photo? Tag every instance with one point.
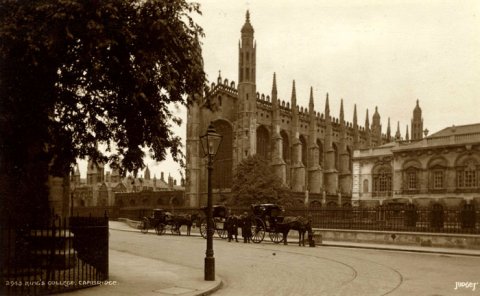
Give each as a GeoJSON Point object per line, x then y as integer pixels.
{"type": "Point", "coordinates": [136, 275]}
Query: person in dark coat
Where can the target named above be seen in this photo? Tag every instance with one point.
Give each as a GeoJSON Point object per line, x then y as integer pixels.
{"type": "Point", "coordinates": [247, 228]}
{"type": "Point", "coordinates": [232, 228]}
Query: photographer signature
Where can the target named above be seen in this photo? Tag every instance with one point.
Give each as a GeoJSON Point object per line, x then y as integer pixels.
{"type": "Point", "coordinates": [466, 285]}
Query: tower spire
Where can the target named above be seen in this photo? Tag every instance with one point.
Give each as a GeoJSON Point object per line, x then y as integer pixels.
{"type": "Point", "coordinates": [274, 85]}
{"type": "Point", "coordinates": [294, 96]}
{"type": "Point", "coordinates": [389, 135]}
{"type": "Point", "coordinates": [355, 123]}
{"type": "Point", "coordinates": [342, 117]}
{"type": "Point", "coordinates": [310, 103]}
{"type": "Point", "coordinates": [397, 134]}
{"type": "Point", "coordinates": [327, 108]}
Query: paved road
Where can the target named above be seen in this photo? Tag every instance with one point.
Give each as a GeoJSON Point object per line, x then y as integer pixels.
{"type": "Point", "coordinates": [269, 269]}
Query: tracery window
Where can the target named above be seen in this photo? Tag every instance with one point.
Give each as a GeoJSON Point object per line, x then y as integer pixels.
{"type": "Point", "coordinates": [285, 147]}
{"type": "Point", "coordinates": [263, 142]}
{"type": "Point", "coordinates": [382, 184]}
{"type": "Point", "coordinates": [467, 176]}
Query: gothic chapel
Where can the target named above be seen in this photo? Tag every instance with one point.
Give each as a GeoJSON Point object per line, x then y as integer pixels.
{"type": "Point", "coordinates": [309, 150]}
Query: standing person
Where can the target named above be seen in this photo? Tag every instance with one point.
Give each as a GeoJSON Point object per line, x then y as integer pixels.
{"type": "Point", "coordinates": [234, 227]}
{"type": "Point", "coordinates": [229, 227]}
{"type": "Point", "coordinates": [247, 228]}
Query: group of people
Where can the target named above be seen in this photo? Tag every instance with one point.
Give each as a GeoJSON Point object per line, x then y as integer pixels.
{"type": "Point", "coordinates": [244, 222]}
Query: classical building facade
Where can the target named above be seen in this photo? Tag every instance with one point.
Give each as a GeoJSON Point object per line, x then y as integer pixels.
{"type": "Point", "coordinates": [443, 168]}
{"type": "Point", "coordinates": [309, 150]}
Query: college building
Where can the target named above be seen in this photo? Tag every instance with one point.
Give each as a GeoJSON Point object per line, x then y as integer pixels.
{"type": "Point", "coordinates": [310, 150]}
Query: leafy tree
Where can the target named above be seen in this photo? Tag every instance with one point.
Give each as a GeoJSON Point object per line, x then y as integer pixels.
{"type": "Point", "coordinates": [76, 73]}
{"type": "Point", "coordinates": [255, 182]}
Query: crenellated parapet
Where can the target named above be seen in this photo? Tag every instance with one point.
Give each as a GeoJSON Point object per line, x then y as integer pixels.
{"type": "Point", "coordinates": [225, 86]}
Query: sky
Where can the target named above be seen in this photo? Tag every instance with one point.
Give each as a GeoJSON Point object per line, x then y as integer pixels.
{"type": "Point", "coordinates": [370, 53]}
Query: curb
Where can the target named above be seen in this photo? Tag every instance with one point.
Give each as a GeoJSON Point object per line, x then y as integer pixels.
{"type": "Point", "coordinates": [398, 249]}
{"type": "Point", "coordinates": [212, 290]}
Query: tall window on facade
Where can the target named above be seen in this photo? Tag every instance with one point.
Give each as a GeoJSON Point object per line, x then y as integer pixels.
{"type": "Point", "coordinates": [412, 179]}
{"type": "Point", "coordinates": [365, 186]}
{"type": "Point", "coordinates": [467, 176]}
{"type": "Point", "coordinates": [222, 167]}
{"type": "Point", "coordinates": [438, 178]}
{"type": "Point", "coordinates": [320, 152]}
{"type": "Point", "coordinates": [350, 162]}
{"type": "Point", "coordinates": [382, 182]}
{"type": "Point", "coordinates": [335, 149]}
{"type": "Point", "coordinates": [285, 147]}
{"type": "Point", "coordinates": [263, 142]}
{"type": "Point", "coordinates": [437, 168]}
{"type": "Point", "coordinates": [304, 150]}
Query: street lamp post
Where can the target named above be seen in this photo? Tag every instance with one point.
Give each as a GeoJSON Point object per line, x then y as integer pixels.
{"type": "Point", "coordinates": [210, 144]}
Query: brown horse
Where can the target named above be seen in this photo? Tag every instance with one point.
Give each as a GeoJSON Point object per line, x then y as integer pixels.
{"type": "Point", "coordinates": [184, 219]}
{"type": "Point", "coordinates": [299, 223]}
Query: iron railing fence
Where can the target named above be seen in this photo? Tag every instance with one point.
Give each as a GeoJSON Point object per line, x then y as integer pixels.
{"type": "Point", "coordinates": [66, 254]}
{"type": "Point", "coordinates": [412, 219]}
{"type": "Point", "coordinates": [465, 219]}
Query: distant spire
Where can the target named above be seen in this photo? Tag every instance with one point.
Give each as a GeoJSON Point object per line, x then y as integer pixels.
{"type": "Point", "coordinates": [367, 121]}
{"type": "Point", "coordinates": [294, 96]}
{"type": "Point", "coordinates": [341, 111]}
{"type": "Point", "coordinates": [327, 107]}
{"type": "Point", "coordinates": [355, 123]}
{"type": "Point", "coordinates": [247, 27]}
{"type": "Point", "coordinates": [389, 137]}
{"type": "Point", "coordinates": [407, 138]}
{"type": "Point", "coordinates": [274, 86]}
{"type": "Point", "coordinates": [311, 97]}
{"type": "Point", "coordinates": [397, 134]}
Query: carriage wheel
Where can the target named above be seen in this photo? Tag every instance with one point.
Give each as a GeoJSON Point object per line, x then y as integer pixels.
{"type": "Point", "coordinates": [144, 226]}
{"type": "Point", "coordinates": [160, 229]}
{"type": "Point", "coordinates": [276, 237]}
{"type": "Point", "coordinates": [258, 230]}
{"type": "Point", "coordinates": [175, 230]}
{"type": "Point", "coordinates": [220, 227]}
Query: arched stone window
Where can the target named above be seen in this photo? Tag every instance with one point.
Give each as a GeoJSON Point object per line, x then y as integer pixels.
{"type": "Point", "coordinates": [365, 186]}
{"type": "Point", "coordinates": [285, 147]}
{"type": "Point", "coordinates": [304, 150]}
{"type": "Point", "coordinates": [382, 181]}
{"type": "Point", "coordinates": [222, 167]}
{"type": "Point", "coordinates": [263, 142]}
{"type": "Point", "coordinates": [411, 176]}
{"type": "Point", "coordinates": [437, 174]}
{"type": "Point", "coordinates": [320, 152]}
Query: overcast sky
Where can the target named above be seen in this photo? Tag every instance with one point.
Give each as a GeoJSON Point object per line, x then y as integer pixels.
{"type": "Point", "coordinates": [370, 53]}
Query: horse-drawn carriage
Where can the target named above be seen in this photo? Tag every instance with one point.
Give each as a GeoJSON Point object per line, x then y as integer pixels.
{"type": "Point", "coordinates": [265, 219]}
{"type": "Point", "coordinates": [160, 220]}
{"type": "Point", "coordinates": [219, 214]}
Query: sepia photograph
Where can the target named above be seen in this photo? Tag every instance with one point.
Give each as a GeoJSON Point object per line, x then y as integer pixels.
{"type": "Point", "coordinates": [173, 147]}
